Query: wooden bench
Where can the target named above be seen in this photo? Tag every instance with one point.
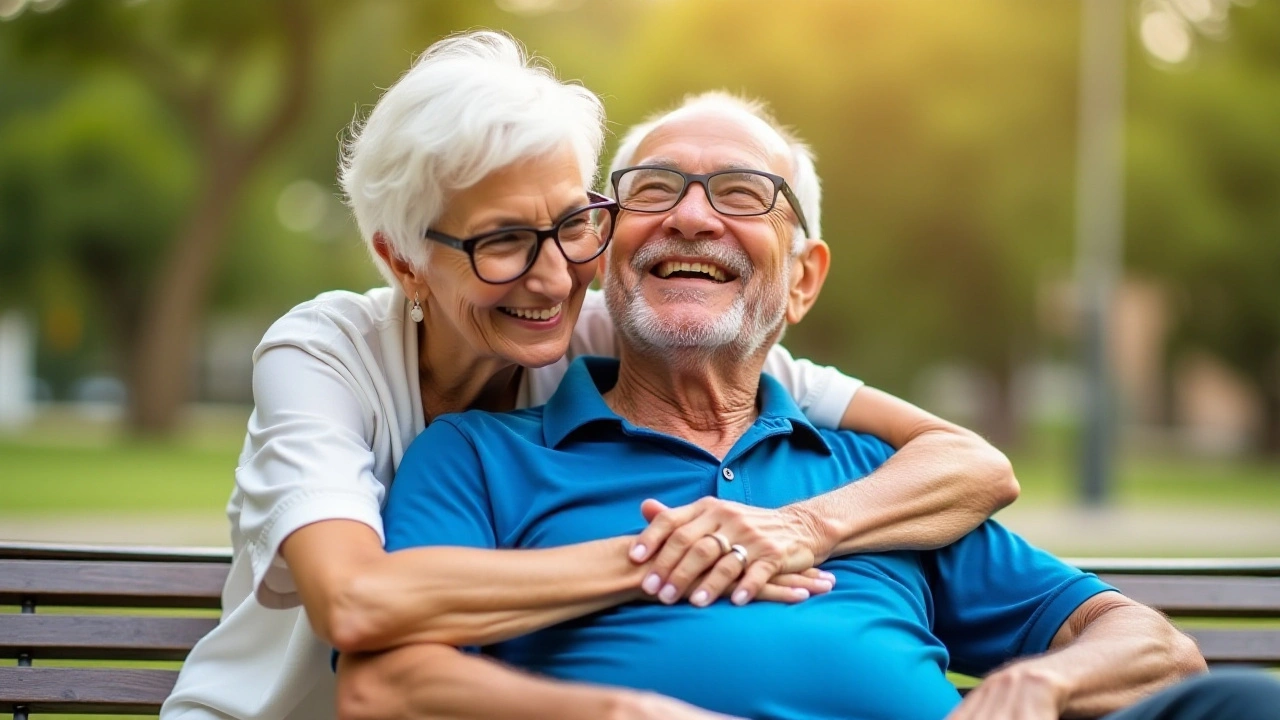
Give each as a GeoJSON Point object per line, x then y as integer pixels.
{"type": "Point", "coordinates": [53, 588]}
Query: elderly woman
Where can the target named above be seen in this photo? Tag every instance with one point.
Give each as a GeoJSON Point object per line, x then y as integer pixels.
{"type": "Point", "coordinates": [469, 182]}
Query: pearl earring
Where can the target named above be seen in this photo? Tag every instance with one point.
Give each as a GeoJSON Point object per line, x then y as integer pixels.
{"type": "Point", "coordinates": [415, 312]}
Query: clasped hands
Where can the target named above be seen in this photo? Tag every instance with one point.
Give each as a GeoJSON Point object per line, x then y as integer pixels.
{"type": "Point", "coordinates": [709, 547]}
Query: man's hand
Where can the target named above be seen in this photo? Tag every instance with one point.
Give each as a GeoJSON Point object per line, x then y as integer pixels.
{"type": "Point", "coordinates": [1021, 691]}
{"type": "Point", "coordinates": [690, 544]}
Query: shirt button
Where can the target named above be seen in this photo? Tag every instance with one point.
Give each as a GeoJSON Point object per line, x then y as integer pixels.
{"type": "Point", "coordinates": [728, 474]}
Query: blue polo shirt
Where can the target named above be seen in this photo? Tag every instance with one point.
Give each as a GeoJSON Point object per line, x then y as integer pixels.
{"type": "Point", "coordinates": [877, 646]}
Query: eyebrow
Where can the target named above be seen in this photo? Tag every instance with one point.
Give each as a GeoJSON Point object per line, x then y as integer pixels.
{"type": "Point", "coordinates": [506, 221]}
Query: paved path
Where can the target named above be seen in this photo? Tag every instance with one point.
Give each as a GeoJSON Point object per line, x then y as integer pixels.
{"type": "Point", "coordinates": [1066, 531]}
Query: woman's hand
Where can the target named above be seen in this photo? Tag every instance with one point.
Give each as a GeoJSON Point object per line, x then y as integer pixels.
{"type": "Point", "coordinates": [700, 548]}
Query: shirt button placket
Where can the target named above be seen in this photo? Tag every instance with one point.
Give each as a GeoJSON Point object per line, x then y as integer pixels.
{"type": "Point", "coordinates": [730, 486]}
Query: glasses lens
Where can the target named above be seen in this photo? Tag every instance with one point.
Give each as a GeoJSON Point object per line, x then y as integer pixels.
{"type": "Point", "coordinates": [504, 256]}
{"type": "Point", "coordinates": [649, 189]}
{"type": "Point", "coordinates": [742, 193]}
{"type": "Point", "coordinates": [584, 234]}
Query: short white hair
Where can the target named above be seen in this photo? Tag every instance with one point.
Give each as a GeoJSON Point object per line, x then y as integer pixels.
{"type": "Point", "coordinates": [805, 183]}
{"type": "Point", "coordinates": [471, 104]}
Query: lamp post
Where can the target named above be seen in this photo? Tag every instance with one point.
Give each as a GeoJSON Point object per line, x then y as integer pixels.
{"type": "Point", "coordinates": [1099, 229]}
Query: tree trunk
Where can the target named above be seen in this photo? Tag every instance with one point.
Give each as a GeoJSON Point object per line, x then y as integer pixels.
{"type": "Point", "coordinates": [1271, 411]}
{"type": "Point", "coordinates": [161, 361]}
{"type": "Point", "coordinates": [1000, 421]}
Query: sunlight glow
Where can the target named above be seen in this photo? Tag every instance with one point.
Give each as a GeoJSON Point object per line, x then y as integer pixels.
{"type": "Point", "coordinates": [10, 8]}
{"type": "Point", "coordinates": [1166, 36]}
{"type": "Point", "coordinates": [537, 7]}
{"type": "Point", "coordinates": [302, 206]}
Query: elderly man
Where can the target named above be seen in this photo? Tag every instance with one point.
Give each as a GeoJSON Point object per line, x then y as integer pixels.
{"type": "Point", "coordinates": [713, 255]}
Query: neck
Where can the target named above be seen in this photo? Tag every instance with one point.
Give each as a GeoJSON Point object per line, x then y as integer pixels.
{"type": "Point", "coordinates": [453, 378]}
{"type": "Point", "coordinates": [697, 397]}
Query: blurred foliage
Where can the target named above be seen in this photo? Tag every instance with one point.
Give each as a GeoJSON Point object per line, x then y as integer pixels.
{"type": "Point", "coordinates": [945, 134]}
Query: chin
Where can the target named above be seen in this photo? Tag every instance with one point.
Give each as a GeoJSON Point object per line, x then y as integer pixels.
{"type": "Point", "coordinates": [540, 355]}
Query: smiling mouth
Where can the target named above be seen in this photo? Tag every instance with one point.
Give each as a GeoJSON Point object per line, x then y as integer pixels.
{"type": "Point", "coordinates": [535, 314]}
{"type": "Point", "coordinates": [695, 270]}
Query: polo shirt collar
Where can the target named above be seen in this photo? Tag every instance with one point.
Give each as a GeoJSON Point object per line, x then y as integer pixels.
{"type": "Point", "coordinates": [579, 402]}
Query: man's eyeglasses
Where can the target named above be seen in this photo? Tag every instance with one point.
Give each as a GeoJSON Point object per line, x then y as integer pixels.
{"type": "Point", "coordinates": [654, 189]}
{"type": "Point", "coordinates": [504, 255]}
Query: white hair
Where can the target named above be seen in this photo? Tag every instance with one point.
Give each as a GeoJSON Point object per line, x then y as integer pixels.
{"type": "Point", "coordinates": [805, 183]}
{"type": "Point", "coordinates": [471, 104]}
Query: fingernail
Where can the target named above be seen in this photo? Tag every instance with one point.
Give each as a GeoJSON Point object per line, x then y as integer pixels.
{"type": "Point", "coordinates": [668, 594]}
{"type": "Point", "coordinates": [829, 577]}
{"type": "Point", "coordinates": [638, 552]}
{"type": "Point", "coordinates": [700, 598]}
{"type": "Point", "coordinates": [651, 583]}
{"type": "Point", "coordinates": [740, 597]}
{"type": "Point", "coordinates": [800, 593]}
{"type": "Point", "coordinates": [822, 585]}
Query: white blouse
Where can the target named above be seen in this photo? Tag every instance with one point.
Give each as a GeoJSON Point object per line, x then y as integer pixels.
{"type": "Point", "coordinates": [337, 402]}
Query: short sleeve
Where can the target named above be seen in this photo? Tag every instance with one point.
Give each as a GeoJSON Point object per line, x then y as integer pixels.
{"type": "Point", "coordinates": [439, 496]}
{"type": "Point", "coordinates": [996, 598]}
{"type": "Point", "coordinates": [306, 459]}
{"type": "Point", "coordinates": [822, 392]}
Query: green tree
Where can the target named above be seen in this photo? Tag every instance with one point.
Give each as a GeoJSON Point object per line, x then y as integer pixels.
{"type": "Point", "coordinates": [1204, 206]}
{"type": "Point", "coordinates": [235, 78]}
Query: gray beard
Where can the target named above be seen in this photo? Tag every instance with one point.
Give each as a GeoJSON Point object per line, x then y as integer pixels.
{"type": "Point", "coordinates": [740, 331]}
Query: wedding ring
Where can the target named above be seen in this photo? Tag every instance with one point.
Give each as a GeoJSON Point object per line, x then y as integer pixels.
{"type": "Point", "coordinates": [723, 541]}
{"type": "Point", "coordinates": [740, 553]}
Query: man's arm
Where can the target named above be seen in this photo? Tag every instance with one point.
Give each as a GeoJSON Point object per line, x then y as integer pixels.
{"type": "Point", "coordinates": [942, 483]}
{"type": "Point", "coordinates": [1110, 653]}
{"type": "Point", "coordinates": [436, 681]}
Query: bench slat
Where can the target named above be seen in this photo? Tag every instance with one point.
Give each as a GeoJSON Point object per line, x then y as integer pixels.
{"type": "Point", "coordinates": [1253, 645]}
{"type": "Point", "coordinates": [85, 690]}
{"type": "Point", "coordinates": [141, 553]}
{"type": "Point", "coordinates": [112, 584]}
{"type": "Point", "coordinates": [1241, 597]}
{"type": "Point", "coordinates": [100, 637]}
{"type": "Point", "coordinates": [1257, 567]}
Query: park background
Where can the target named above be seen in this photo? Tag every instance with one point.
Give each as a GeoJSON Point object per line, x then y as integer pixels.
{"type": "Point", "coordinates": [167, 190]}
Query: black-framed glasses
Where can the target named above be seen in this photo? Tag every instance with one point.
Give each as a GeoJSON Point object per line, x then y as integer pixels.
{"type": "Point", "coordinates": [504, 255]}
{"type": "Point", "coordinates": [741, 193]}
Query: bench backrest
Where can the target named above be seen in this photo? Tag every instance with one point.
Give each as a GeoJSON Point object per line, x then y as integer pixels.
{"type": "Point", "coordinates": [161, 603]}
{"type": "Point", "coordinates": [48, 583]}
{"type": "Point", "coordinates": [1193, 591]}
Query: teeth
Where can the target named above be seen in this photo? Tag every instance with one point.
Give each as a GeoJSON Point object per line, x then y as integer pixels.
{"type": "Point", "coordinates": [534, 313]}
{"type": "Point", "coordinates": [669, 267]}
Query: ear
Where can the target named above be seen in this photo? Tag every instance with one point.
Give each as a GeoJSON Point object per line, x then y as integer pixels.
{"type": "Point", "coordinates": [808, 273]}
{"type": "Point", "coordinates": [411, 281]}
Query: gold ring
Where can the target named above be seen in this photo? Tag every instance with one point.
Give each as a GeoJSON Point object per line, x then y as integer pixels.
{"type": "Point", "coordinates": [740, 553]}
{"type": "Point", "coordinates": [723, 541]}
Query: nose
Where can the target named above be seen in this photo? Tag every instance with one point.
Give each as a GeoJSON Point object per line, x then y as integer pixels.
{"type": "Point", "coordinates": [550, 275]}
{"type": "Point", "coordinates": [693, 217]}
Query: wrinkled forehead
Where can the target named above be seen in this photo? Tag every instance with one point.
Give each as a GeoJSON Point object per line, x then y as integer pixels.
{"type": "Point", "coordinates": [715, 139]}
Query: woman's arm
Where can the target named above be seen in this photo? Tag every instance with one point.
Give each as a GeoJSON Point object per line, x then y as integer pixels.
{"type": "Point", "coordinates": [359, 597]}
{"type": "Point", "coordinates": [943, 482]}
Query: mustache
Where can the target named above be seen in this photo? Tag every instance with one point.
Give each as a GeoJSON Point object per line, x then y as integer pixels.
{"type": "Point", "coordinates": [735, 260]}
